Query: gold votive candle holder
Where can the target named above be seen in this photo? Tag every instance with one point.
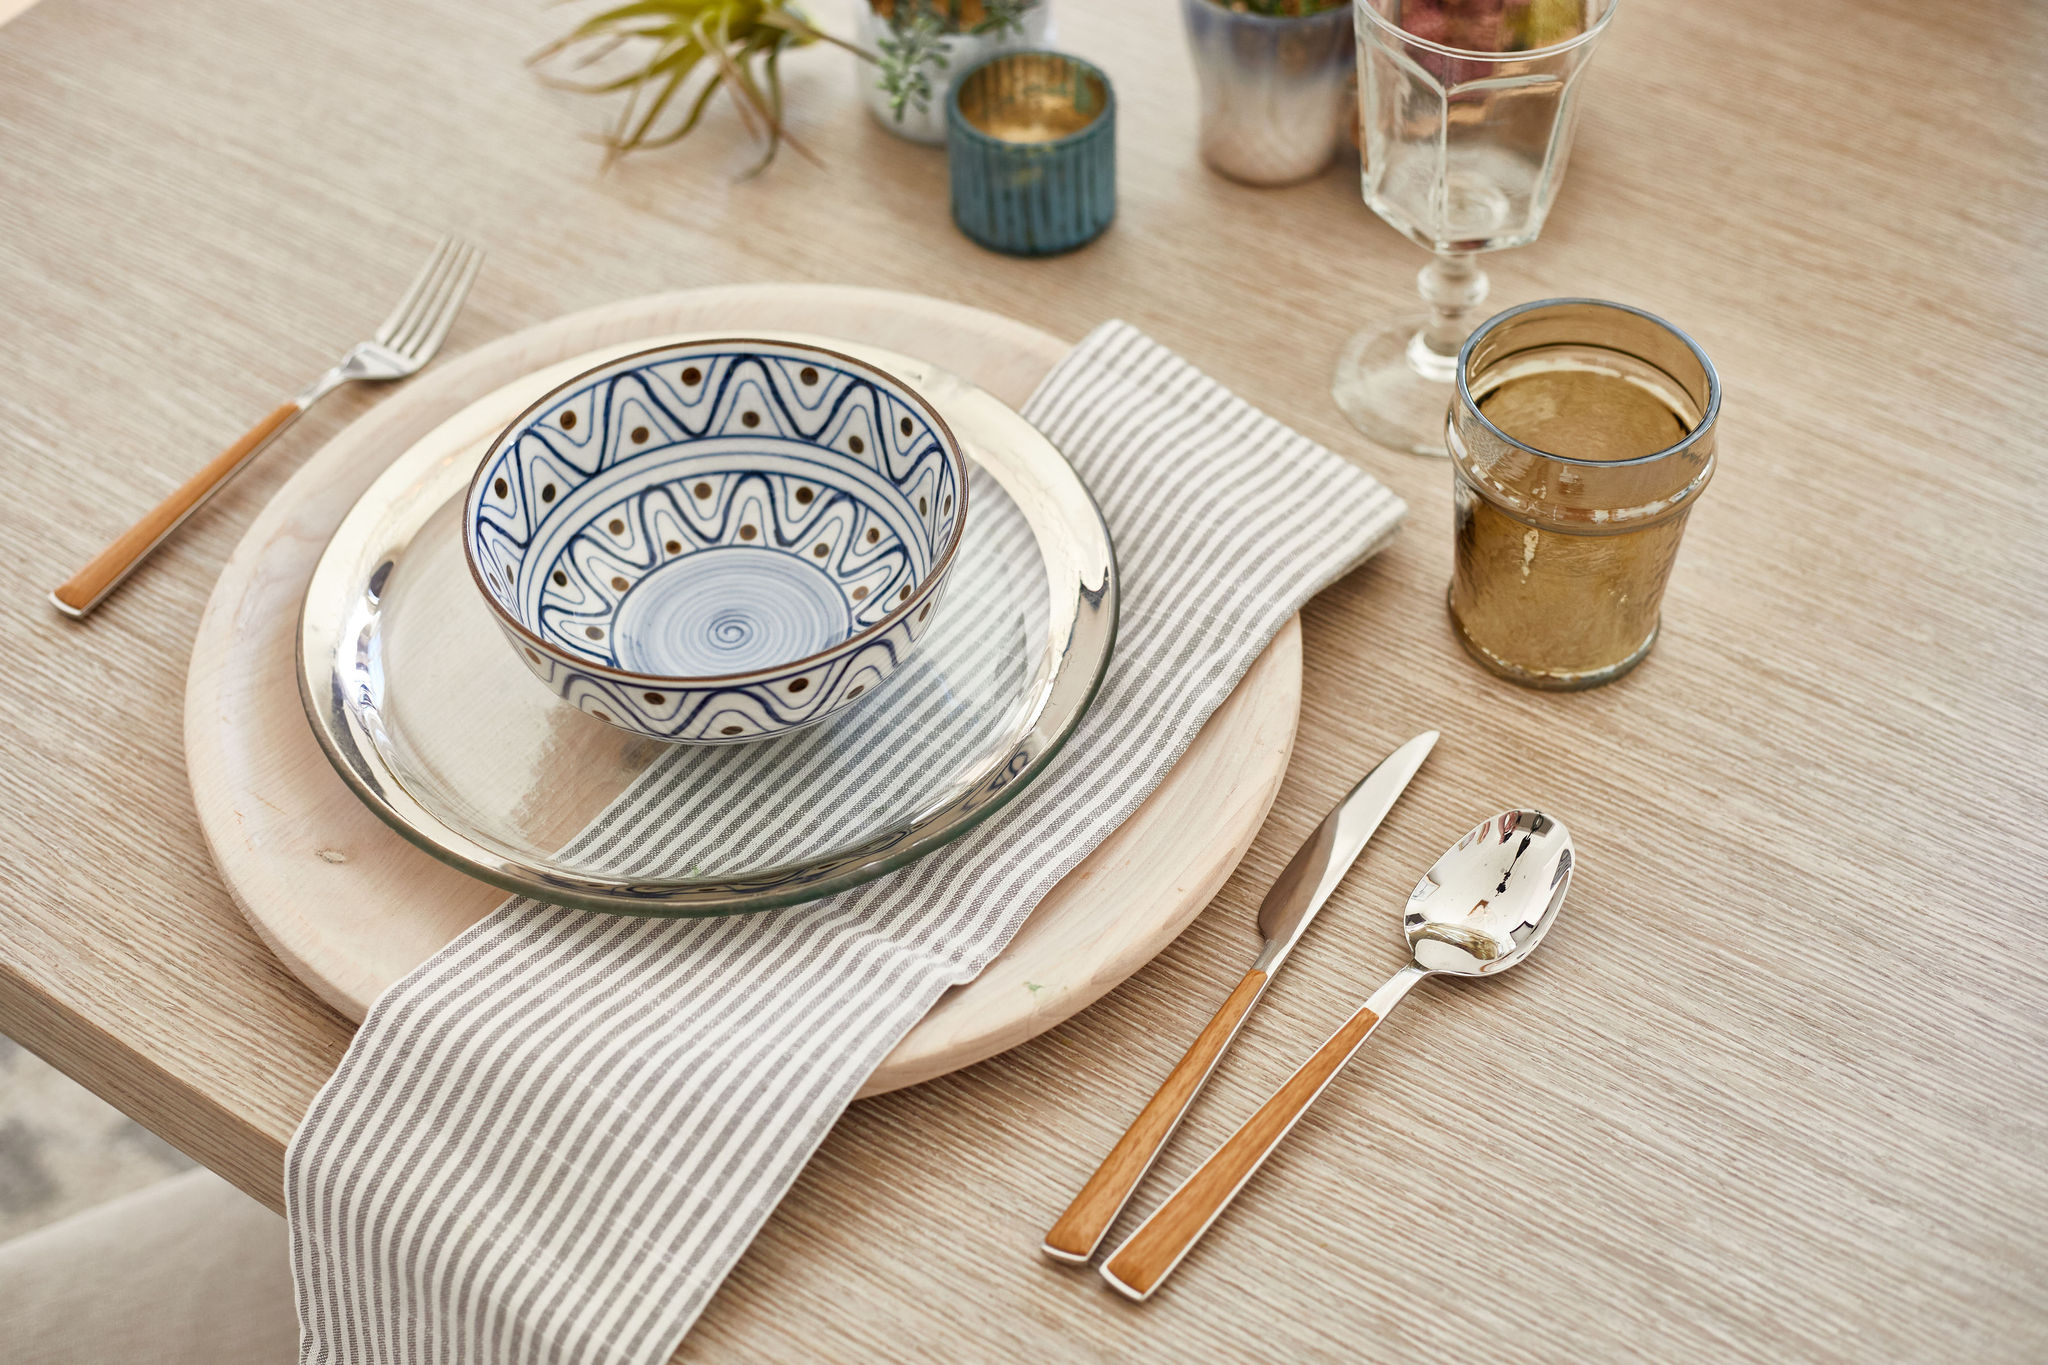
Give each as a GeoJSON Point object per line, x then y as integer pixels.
{"type": "Point", "coordinates": [1581, 434]}
{"type": "Point", "coordinates": [1031, 152]}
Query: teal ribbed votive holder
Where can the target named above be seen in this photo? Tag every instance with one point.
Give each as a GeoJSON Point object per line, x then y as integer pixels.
{"type": "Point", "coordinates": [1031, 147]}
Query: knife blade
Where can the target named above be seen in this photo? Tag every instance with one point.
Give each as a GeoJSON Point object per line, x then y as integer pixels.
{"type": "Point", "coordinates": [1290, 905]}
{"type": "Point", "coordinates": [1321, 862]}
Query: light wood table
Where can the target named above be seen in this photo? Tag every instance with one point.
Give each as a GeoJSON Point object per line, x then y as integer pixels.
{"type": "Point", "coordinates": [1777, 1088]}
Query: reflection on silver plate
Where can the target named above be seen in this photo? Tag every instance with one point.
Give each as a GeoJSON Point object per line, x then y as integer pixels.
{"type": "Point", "coordinates": [429, 716]}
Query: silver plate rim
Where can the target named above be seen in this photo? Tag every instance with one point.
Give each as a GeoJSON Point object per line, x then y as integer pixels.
{"type": "Point", "coordinates": [341, 601]}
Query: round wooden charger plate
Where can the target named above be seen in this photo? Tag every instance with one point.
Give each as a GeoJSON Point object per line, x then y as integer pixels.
{"type": "Point", "coordinates": [350, 907]}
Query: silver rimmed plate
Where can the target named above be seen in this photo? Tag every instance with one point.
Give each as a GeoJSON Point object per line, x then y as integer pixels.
{"type": "Point", "coordinates": [431, 719]}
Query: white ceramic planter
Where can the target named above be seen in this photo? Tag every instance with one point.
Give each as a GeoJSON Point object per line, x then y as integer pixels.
{"type": "Point", "coordinates": [962, 51]}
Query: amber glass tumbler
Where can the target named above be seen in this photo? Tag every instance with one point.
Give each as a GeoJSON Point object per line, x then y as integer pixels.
{"type": "Point", "coordinates": [1581, 434]}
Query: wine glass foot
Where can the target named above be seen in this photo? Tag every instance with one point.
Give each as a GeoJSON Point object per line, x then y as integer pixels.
{"type": "Point", "coordinates": [1394, 388]}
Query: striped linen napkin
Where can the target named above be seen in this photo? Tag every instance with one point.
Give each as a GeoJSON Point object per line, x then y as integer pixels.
{"type": "Point", "coordinates": [553, 1139]}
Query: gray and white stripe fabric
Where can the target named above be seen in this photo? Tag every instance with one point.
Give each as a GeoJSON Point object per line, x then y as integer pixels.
{"type": "Point", "coordinates": [551, 1142]}
{"type": "Point", "coordinates": [723, 809]}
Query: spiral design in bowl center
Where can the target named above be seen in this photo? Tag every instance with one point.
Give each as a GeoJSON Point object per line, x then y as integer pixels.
{"type": "Point", "coordinates": [729, 610]}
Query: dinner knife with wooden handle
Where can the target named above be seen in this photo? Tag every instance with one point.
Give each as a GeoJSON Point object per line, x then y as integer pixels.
{"type": "Point", "coordinates": [1296, 895]}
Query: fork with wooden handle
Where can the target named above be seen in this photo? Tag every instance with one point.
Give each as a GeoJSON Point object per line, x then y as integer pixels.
{"type": "Point", "coordinates": [407, 340]}
{"type": "Point", "coordinates": [1300, 890]}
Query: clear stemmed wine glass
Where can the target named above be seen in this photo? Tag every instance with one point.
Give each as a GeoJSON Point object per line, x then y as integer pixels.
{"type": "Point", "coordinates": [1467, 107]}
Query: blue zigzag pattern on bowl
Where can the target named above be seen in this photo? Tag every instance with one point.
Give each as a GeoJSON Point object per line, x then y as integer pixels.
{"type": "Point", "coordinates": [689, 515]}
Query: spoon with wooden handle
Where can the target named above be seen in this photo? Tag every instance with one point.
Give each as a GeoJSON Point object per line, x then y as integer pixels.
{"type": "Point", "coordinates": [1299, 891]}
{"type": "Point", "coordinates": [1480, 910]}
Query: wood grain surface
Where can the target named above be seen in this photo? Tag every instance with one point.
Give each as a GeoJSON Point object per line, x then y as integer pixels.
{"type": "Point", "coordinates": [350, 906]}
{"type": "Point", "coordinates": [1778, 1088]}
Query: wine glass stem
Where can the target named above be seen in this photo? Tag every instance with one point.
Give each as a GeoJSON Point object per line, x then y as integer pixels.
{"type": "Point", "coordinates": [1453, 286]}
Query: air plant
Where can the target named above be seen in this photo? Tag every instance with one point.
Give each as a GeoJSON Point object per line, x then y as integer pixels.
{"type": "Point", "coordinates": [693, 48]}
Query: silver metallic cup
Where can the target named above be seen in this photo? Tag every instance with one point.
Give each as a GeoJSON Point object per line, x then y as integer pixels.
{"type": "Point", "coordinates": [1276, 90]}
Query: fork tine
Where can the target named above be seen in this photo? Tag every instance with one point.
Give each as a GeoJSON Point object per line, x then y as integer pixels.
{"type": "Point", "coordinates": [429, 310]}
{"type": "Point", "coordinates": [446, 295]}
{"type": "Point", "coordinates": [402, 313]}
{"type": "Point", "coordinates": [424, 286]}
{"type": "Point", "coordinates": [426, 307]}
{"type": "Point", "coordinates": [423, 349]}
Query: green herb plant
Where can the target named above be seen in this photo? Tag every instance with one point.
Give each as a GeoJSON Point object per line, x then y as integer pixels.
{"type": "Point", "coordinates": [915, 49]}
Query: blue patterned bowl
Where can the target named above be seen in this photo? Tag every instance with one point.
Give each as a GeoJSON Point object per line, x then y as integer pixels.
{"type": "Point", "coordinates": [718, 541]}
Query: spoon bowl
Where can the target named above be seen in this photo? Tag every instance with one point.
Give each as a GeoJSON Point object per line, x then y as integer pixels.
{"type": "Point", "coordinates": [1487, 903]}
